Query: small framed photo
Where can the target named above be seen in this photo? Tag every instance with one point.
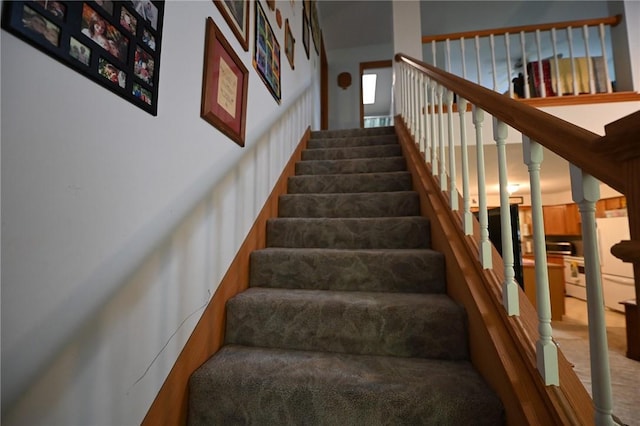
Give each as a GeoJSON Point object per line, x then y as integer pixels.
{"type": "Point", "coordinates": [148, 11]}
{"type": "Point", "coordinates": [225, 83]}
{"type": "Point", "coordinates": [266, 54]}
{"type": "Point", "coordinates": [289, 43]}
{"type": "Point", "coordinates": [128, 21]}
{"type": "Point", "coordinates": [79, 51]}
{"type": "Point", "coordinates": [305, 34]}
{"type": "Point", "coordinates": [115, 43]}
{"type": "Point", "coordinates": [236, 13]}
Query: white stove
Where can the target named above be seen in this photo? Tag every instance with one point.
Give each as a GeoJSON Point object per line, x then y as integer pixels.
{"type": "Point", "coordinates": [574, 278]}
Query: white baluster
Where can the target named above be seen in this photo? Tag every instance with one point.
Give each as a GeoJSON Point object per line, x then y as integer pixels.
{"type": "Point", "coordinates": [442, 167]}
{"type": "Point", "coordinates": [508, 49]}
{"type": "Point", "coordinates": [573, 65]}
{"type": "Point", "coordinates": [554, 43]}
{"type": "Point", "coordinates": [403, 93]}
{"type": "Point", "coordinates": [416, 103]}
{"type": "Point", "coordinates": [509, 287]}
{"type": "Point", "coordinates": [467, 216]}
{"type": "Point", "coordinates": [546, 350]}
{"type": "Point", "coordinates": [585, 190]}
{"type": "Point", "coordinates": [448, 54]}
{"type": "Point", "coordinates": [427, 141]}
{"type": "Point", "coordinates": [605, 58]}
{"type": "Point", "coordinates": [525, 72]}
{"type": "Point", "coordinates": [493, 61]}
{"type": "Point", "coordinates": [464, 62]}
{"type": "Point", "coordinates": [433, 52]}
{"type": "Point", "coordinates": [434, 141]}
{"type": "Point", "coordinates": [421, 114]}
{"type": "Point", "coordinates": [543, 88]}
{"type": "Point", "coordinates": [585, 36]}
{"type": "Point", "coordinates": [485, 243]}
{"type": "Point", "coordinates": [453, 192]}
{"type": "Point", "coordinates": [477, 40]}
{"type": "Point", "coordinates": [412, 93]}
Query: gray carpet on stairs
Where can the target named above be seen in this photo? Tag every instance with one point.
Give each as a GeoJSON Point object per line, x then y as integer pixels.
{"type": "Point", "coordinates": [347, 321]}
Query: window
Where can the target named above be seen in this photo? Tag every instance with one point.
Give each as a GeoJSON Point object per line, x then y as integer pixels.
{"type": "Point", "coordinates": [369, 89]}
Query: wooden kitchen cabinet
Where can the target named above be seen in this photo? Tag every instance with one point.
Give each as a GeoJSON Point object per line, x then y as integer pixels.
{"type": "Point", "coordinates": [556, 287]}
{"type": "Point", "coordinates": [573, 220]}
{"type": "Point", "coordinates": [555, 219]}
{"type": "Point", "coordinates": [562, 219]}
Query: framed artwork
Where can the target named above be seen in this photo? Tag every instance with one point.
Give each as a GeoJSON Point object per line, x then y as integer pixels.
{"type": "Point", "coordinates": [236, 13]}
{"type": "Point", "coordinates": [315, 27]}
{"type": "Point", "coordinates": [225, 83]}
{"type": "Point", "coordinates": [305, 34]}
{"type": "Point", "coordinates": [289, 43]}
{"type": "Point", "coordinates": [271, 4]}
{"type": "Point", "coordinates": [266, 53]}
{"type": "Point", "coordinates": [114, 43]}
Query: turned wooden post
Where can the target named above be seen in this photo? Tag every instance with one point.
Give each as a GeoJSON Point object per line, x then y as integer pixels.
{"type": "Point", "coordinates": [622, 143]}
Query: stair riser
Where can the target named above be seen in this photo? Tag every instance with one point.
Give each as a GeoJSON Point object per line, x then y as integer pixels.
{"type": "Point", "coordinates": [366, 165]}
{"type": "Point", "coordinates": [374, 233]}
{"type": "Point", "coordinates": [403, 271]}
{"type": "Point", "coordinates": [352, 142]}
{"type": "Point", "coordinates": [403, 325]}
{"type": "Point", "coordinates": [372, 182]}
{"type": "Point", "coordinates": [351, 153]}
{"type": "Point", "coordinates": [350, 205]}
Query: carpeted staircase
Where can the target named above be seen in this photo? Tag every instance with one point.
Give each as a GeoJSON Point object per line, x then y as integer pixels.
{"type": "Point", "coordinates": [347, 320]}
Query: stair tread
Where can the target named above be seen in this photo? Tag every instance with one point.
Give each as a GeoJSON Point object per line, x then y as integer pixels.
{"type": "Point", "coordinates": [396, 324]}
{"type": "Point", "coordinates": [368, 232]}
{"type": "Point", "coordinates": [302, 387]}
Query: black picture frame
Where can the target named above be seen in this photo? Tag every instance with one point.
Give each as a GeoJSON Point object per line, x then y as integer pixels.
{"type": "Point", "coordinates": [114, 43]}
{"type": "Point", "coordinates": [266, 53]}
{"type": "Point", "coordinates": [315, 27]}
{"type": "Point", "coordinates": [305, 33]}
{"type": "Point", "coordinates": [289, 44]}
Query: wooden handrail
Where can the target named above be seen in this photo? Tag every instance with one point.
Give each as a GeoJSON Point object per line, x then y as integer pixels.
{"type": "Point", "coordinates": [611, 20]}
{"type": "Point", "coordinates": [553, 133]}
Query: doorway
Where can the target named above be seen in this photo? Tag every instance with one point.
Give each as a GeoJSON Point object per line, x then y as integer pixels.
{"type": "Point", "coordinates": [377, 113]}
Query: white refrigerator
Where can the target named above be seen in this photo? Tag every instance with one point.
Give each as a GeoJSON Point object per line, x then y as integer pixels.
{"type": "Point", "coordinates": [617, 276]}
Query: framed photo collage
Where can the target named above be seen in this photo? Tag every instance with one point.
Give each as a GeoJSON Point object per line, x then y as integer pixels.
{"type": "Point", "coordinates": [114, 43]}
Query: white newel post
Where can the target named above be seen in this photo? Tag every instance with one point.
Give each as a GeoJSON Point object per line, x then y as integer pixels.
{"type": "Point", "coordinates": [485, 243]}
{"type": "Point", "coordinates": [585, 190]}
{"type": "Point", "coordinates": [546, 350]}
{"type": "Point", "coordinates": [510, 286]}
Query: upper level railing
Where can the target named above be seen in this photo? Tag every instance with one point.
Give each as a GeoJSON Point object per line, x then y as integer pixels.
{"type": "Point", "coordinates": [425, 102]}
{"type": "Point", "coordinates": [556, 59]}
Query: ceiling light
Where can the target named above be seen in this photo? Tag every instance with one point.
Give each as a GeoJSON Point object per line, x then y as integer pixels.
{"type": "Point", "coordinates": [513, 187]}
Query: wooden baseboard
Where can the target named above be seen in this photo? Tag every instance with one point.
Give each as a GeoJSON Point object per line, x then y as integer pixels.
{"type": "Point", "coordinates": [170, 406]}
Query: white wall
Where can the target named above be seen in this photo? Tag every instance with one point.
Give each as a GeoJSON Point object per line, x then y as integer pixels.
{"type": "Point", "coordinates": [344, 105]}
{"type": "Point", "coordinates": [117, 226]}
{"type": "Point", "coordinates": [626, 36]}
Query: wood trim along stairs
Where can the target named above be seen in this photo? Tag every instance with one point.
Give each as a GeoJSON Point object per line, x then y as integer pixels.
{"type": "Point", "coordinates": [170, 406]}
{"type": "Point", "coordinates": [502, 347]}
